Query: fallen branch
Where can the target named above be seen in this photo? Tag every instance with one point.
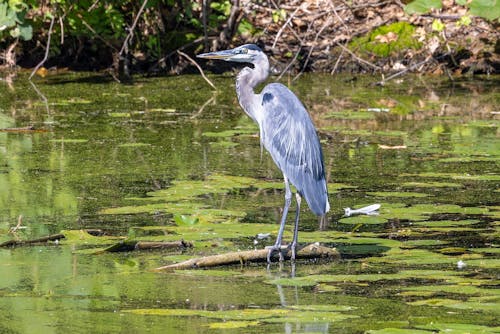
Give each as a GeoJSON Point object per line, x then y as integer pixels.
{"type": "Point", "coordinates": [410, 68]}
{"type": "Point", "coordinates": [131, 245]}
{"type": "Point", "coordinates": [47, 47]}
{"type": "Point", "coordinates": [131, 30]}
{"type": "Point", "coordinates": [198, 67]}
{"type": "Point", "coordinates": [13, 243]}
{"type": "Point", "coordinates": [13, 230]}
{"type": "Point", "coordinates": [30, 128]}
{"type": "Point", "coordinates": [311, 251]}
{"type": "Point", "coordinates": [360, 60]}
{"type": "Point", "coordinates": [287, 22]}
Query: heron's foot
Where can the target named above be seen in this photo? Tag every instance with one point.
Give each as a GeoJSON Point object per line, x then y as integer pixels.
{"type": "Point", "coordinates": [272, 249]}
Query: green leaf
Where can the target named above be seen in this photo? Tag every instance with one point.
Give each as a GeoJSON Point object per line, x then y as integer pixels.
{"type": "Point", "coordinates": [464, 21]}
{"type": "Point", "coordinates": [279, 15]}
{"type": "Point", "coordinates": [182, 220]}
{"type": "Point", "coordinates": [488, 9]}
{"type": "Point", "coordinates": [437, 25]}
{"type": "Point", "coordinates": [8, 17]}
{"type": "Point", "coordinates": [245, 27]}
{"type": "Point", "coordinates": [422, 6]}
{"type": "Point", "coordinates": [25, 32]}
{"type": "Point", "coordinates": [461, 2]}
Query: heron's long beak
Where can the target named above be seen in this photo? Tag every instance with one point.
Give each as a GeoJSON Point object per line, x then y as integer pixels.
{"type": "Point", "coordinates": [223, 55]}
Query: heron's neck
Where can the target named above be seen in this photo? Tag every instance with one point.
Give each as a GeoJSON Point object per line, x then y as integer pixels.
{"type": "Point", "coordinates": [246, 81]}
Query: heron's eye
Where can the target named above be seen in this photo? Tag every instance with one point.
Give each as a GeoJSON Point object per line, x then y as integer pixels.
{"type": "Point", "coordinates": [244, 50]}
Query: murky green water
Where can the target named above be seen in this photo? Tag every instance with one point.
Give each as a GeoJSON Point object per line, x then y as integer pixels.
{"type": "Point", "coordinates": [168, 159]}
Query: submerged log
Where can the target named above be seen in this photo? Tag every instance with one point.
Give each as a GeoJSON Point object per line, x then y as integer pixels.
{"type": "Point", "coordinates": [30, 128]}
{"type": "Point", "coordinates": [13, 243]}
{"type": "Point", "coordinates": [312, 251]}
{"type": "Point", "coordinates": [131, 245]}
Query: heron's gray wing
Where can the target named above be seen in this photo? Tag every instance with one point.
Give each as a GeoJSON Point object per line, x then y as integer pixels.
{"type": "Point", "coordinates": [290, 137]}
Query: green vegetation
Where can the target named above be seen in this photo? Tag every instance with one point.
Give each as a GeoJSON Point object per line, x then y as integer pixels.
{"type": "Point", "coordinates": [387, 40]}
{"type": "Point", "coordinates": [139, 36]}
{"type": "Point", "coordinates": [428, 261]}
{"type": "Point", "coordinates": [488, 9]}
{"type": "Point", "coordinates": [100, 28]}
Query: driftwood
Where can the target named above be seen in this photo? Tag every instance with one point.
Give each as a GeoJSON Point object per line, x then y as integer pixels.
{"type": "Point", "coordinates": [131, 245]}
{"type": "Point", "coordinates": [30, 128]}
{"type": "Point", "coordinates": [13, 243]}
{"type": "Point", "coordinates": [311, 251]}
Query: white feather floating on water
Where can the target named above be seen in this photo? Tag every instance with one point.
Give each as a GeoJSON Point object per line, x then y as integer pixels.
{"type": "Point", "coordinates": [367, 210]}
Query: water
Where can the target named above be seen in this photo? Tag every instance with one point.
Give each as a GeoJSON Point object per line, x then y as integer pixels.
{"type": "Point", "coordinates": [169, 159]}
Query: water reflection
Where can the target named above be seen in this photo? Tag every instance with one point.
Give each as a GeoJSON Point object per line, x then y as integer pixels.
{"type": "Point", "coordinates": [108, 146]}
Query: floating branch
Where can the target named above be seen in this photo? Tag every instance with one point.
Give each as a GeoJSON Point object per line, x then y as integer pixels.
{"type": "Point", "coordinates": [13, 243]}
{"type": "Point", "coordinates": [131, 245]}
{"type": "Point", "coordinates": [311, 251]}
{"type": "Point", "coordinates": [30, 128]}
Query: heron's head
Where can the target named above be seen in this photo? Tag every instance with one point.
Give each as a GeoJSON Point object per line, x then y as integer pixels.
{"type": "Point", "coordinates": [242, 54]}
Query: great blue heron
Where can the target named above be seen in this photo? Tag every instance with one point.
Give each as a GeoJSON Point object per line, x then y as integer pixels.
{"type": "Point", "coordinates": [286, 131]}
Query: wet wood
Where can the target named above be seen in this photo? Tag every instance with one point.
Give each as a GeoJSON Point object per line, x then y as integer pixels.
{"type": "Point", "coordinates": [312, 251]}
{"type": "Point", "coordinates": [131, 245]}
{"type": "Point", "coordinates": [23, 129]}
{"type": "Point", "coordinates": [14, 243]}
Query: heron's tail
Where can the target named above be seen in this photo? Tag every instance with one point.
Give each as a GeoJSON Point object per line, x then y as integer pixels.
{"type": "Point", "coordinates": [316, 195]}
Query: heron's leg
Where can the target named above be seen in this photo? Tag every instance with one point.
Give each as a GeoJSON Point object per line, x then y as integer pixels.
{"type": "Point", "coordinates": [277, 244]}
{"type": "Point", "coordinates": [296, 228]}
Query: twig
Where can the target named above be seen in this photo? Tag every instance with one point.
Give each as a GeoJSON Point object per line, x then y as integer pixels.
{"type": "Point", "coordinates": [131, 30]}
{"type": "Point", "coordinates": [284, 25]}
{"type": "Point", "coordinates": [19, 223]}
{"type": "Point", "coordinates": [42, 96]}
{"type": "Point", "coordinates": [12, 243]}
{"type": "Point", "coordinates": [29, 128]}
{"type": "Point", "coordinates": [337, 62]}
{"type": "Point", "coordinates": [395, 75]}
{"type": "Point", "coordinates": [205, 29]}
{"type": "Point", "coordinates": [198, 67]}
{"type": "Point", "coordinates": [232, 22]}
{"type": "Point", "coordinates": [290, 63]}
{"type": "Point", "coordinates": [47, 47]}
{"type": "Point", "coordinates": [210, 100]}
{"type": "Point", "coordinates": [356, 57]}
{"type": "Point", "coordinates": [327, 23]}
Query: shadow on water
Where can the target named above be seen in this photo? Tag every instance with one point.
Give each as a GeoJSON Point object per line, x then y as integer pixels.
{"type": "Point", "coordinates": [166, 159]}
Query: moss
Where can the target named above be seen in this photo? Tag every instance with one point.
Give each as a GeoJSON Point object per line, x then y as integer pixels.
{"type": "Point", "coordinates": [387, 40]}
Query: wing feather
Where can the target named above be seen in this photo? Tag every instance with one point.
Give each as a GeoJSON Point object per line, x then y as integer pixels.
{"type": "Point", "coordinates": [288, 133]}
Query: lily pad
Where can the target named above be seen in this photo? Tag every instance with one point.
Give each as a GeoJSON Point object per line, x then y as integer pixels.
{"type": "Point", "coordinates": [263, 315]}
{"type": "Point", "coordinates": [458, 304]}
{"type": "Point", "coordinates": [447, 223]}
{"type": "Point", "coordinates": [460, 328]}
{"type": "Point", "coordinates": [232, 324]}
{"type": "Point", "coordinates": [397, 331]}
